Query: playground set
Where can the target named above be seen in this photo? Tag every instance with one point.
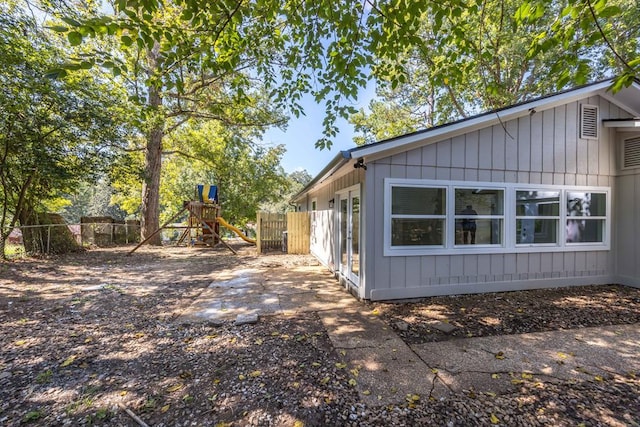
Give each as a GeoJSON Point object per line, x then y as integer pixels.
{"type": "Point", "coordinates": [203, 223]}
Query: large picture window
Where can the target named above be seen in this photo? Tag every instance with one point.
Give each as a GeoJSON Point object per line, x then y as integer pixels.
{"type": "Point", "coordinates": [479, 216]}
{"type": "Point", "coordinates": [423, 217]}
{"type": "Point", "coordinates": [537, 217]}
{"type": "Point", "coordinates": [586, 217]}
{"type": "Point", "coordinates": [418, 216]}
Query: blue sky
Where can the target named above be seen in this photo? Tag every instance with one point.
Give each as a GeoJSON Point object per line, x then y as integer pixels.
{"type": "Point", "coordinates": [302, 133]}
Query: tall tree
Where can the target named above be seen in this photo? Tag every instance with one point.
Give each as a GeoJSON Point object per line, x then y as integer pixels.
{"type": "Point", "coordinates": [53, 133]}
{"type": "Point", "coordinates": [482, 58]}
{"type": "Point", "coordinates": [247, 173]}
{"type": "Point", "coordinates": [327, 48]}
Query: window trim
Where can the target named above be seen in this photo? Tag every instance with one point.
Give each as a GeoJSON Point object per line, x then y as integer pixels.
{"type": "Point", "coordinates": [509, 220]}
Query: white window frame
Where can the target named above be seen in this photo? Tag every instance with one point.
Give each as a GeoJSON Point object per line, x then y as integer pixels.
{"type": "Point", "coordinates": [509, 222]}
{"type": "Point", "coordinates": [558, 218]}
{"type": "Point", "coordinates": [391, 216]}
{"type": "Point", "coordinates": [456, 216]}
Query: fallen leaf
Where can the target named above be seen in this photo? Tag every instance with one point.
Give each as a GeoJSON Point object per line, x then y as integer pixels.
{"type": "Point", "coordinates": [275, 334]}
{"type": "Point", "coordinates": [516, 381]}
{"type": "Point", "coordinates": [495, 376]}
{"type": "Point", "coordinates": [561, 355]}
{"type": "Point", "coordinates": [324, 380]}
{"type": "Point", "coordinates": [69, 360]}
{"type": "Point", "coordinates": [123, 393]}
{"type": "Point", "coordinates": [354, 372]}
{"type": "Point", "coordinates": [88, 340]}
{"type": "Point", "coordinates": [494, 419]}
{"type": "Point", "coordinates": [342, 352]}
{"type": "Point", "coordinates": [527, 376]}
{"type": "Point", "coordinates": [341, 365]}
{"type": "Point", "coordinates": [259, 341]}
{"type": "Point", "coordinates": [20, 342]}
{"type": "Point", "coordinates": [212, 336]}
{"type": "Point", "coordinates": [165, 408]}
{"type": "Point", "coordinates": [413, 397]}
{"type": "Point", "coordinates": [375, 312]}
{"type": "Point", "coordinates": [216, 381]}
{"type": "Point", "coordinates": [490, 393]}
{"type": "Point", "coordinates": [366, 392]}
{"type": "Point", "coordinates": [352, 382]}
{"type": "Point", "coordinates": [598, 378]}
{"type": "Point", "coordinates": [298, 423]}
{"type": "Point", "coordinates": [241, 377]}
{"type": "Point", "coordinates": [499, 355]}
{"type": "Point", "coordinates": [315, 364]}
{"type": "Point", "coordinates": [174, 387]}
{"type": "Point", "coordinates": [255, 374]}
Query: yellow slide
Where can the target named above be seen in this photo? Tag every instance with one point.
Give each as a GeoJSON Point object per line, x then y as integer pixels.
{"type": "Point", "coordinates": [236, 230]}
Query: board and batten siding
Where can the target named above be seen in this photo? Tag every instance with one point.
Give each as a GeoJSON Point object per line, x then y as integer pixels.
{"type": "Point", "coordinates": [323, 230]}
{"type": "Point", "coordinates": [541, 148]}
{"type": "Point", "coordinates": [627, 226]}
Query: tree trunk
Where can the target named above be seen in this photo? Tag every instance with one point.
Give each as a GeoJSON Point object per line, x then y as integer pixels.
{"type": "Point", "coordinates": [150, 220]}
{"type": "Point", "coordinates": [3, 244]}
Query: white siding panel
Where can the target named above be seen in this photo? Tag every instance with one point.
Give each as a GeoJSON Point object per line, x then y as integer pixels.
{"type": "Point", "coordinates": [444, 154]}
{"type": "Point", "coordinates": [430, 155]}
{"type": "Point", "coordinates": [457, 152]}
{"type": "Point", "coordinates": [498, 147]}
{"type": "Point", "coordinates": [414, 157]}
{"type": "Point", "coordinates": [471, 150]}
{"type": "Point", "coordinates": [548, 129]}
{"type": "Point", "coordinates": [560, 164]}
{"type": "Point", "coordinates": [571, 137]}
{"type": "Point", "coordinates": [524, 143]}
{"type": "Point", "coordinates": [511, 145]}
{"type": "Point", "coordinates": [413, 272]}
{"type": "Point", "coordinates": [536, 142]}
{"type": "Point", "coordinates": [484, 148]}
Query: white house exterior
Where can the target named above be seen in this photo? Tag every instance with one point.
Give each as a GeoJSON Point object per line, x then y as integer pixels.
{"type": "Point", "coordinates": [541, 194]}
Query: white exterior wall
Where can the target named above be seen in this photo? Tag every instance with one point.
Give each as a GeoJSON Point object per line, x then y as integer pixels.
{"type": "Point", "coordinates": [323, 229]}
{"type": "Point", "coordinates": [627, 224]}
{"type": "Point", "coordinates": [543, 148]}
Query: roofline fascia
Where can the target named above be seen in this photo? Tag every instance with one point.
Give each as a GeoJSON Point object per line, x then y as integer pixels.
{"type": "Point", "coordinates": [336, 163]}
{"type": "Point", "coordinates": [482, 120]}
{"type": "Point", "coordinates": [611, 98]}
{"type": "Point", "coordinates": [627, 123]}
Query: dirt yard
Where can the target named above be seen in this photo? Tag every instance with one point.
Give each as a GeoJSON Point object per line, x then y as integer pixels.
{"type": "Point", "coordinates": [87, 337]}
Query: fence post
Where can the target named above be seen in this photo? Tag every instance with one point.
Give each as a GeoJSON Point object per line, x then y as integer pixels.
{"type": "Point", "coordinates": [48, 238]}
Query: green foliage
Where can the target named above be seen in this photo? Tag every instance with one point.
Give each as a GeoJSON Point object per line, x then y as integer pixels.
{"type": "Point", "coordinates": [247, 174]}
{"type": "Point", "coordinates": [296, 181]}
{"type": "Point", "coordinates": [486, 55]}
{"type": "Point", "coordinates": [53, 133]}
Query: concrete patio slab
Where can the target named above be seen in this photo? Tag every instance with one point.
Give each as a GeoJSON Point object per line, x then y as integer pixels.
{"type": "Point", "coordinates": [498, 364]}
{"type": "Point", "coordinates": [386, 370]}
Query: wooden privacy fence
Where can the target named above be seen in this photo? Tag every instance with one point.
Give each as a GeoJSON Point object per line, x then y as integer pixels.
{"type": "Point", "coordinates": [283, 232]}
{"type": "Point", "coordinates": [298, 227]}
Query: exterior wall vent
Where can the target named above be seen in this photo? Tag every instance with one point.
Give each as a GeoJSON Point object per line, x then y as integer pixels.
{"type": "Point", "coordinates": [631, 153]}
{"type": "Point", "coordinates": [589, 121]}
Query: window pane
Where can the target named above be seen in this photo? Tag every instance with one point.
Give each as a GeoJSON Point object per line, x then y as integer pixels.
{"type": "Point", "coordinates": [478, 231]}
{"type": "Point", "coordinates": [537, 231]}
{"type": "Point", "coordinates": [479, 201]}
{"type": "Point", "coordinates": [411, 232]}
{"type": "Point", "coordinates": [585, 230]}
{"type": "Point", "coordinates": [417, 201]}
{"type": "Point", "coordinates": [586, 204]}
{"type": "Point", "coordinates": [537, 203]}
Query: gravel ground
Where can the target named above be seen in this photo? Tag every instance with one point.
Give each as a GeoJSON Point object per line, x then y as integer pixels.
{"type": "Point", "coordinates": [85, 335]}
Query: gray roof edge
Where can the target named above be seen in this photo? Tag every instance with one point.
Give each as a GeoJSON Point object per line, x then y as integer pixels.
{"type": "Point", "coordinates": [381, 146]}
{"type": "Point", "coordinates": [335, 164]}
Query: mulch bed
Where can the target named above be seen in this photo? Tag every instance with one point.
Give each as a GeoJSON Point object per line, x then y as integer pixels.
{"type": "Point", "coordinates": [508, 313]}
